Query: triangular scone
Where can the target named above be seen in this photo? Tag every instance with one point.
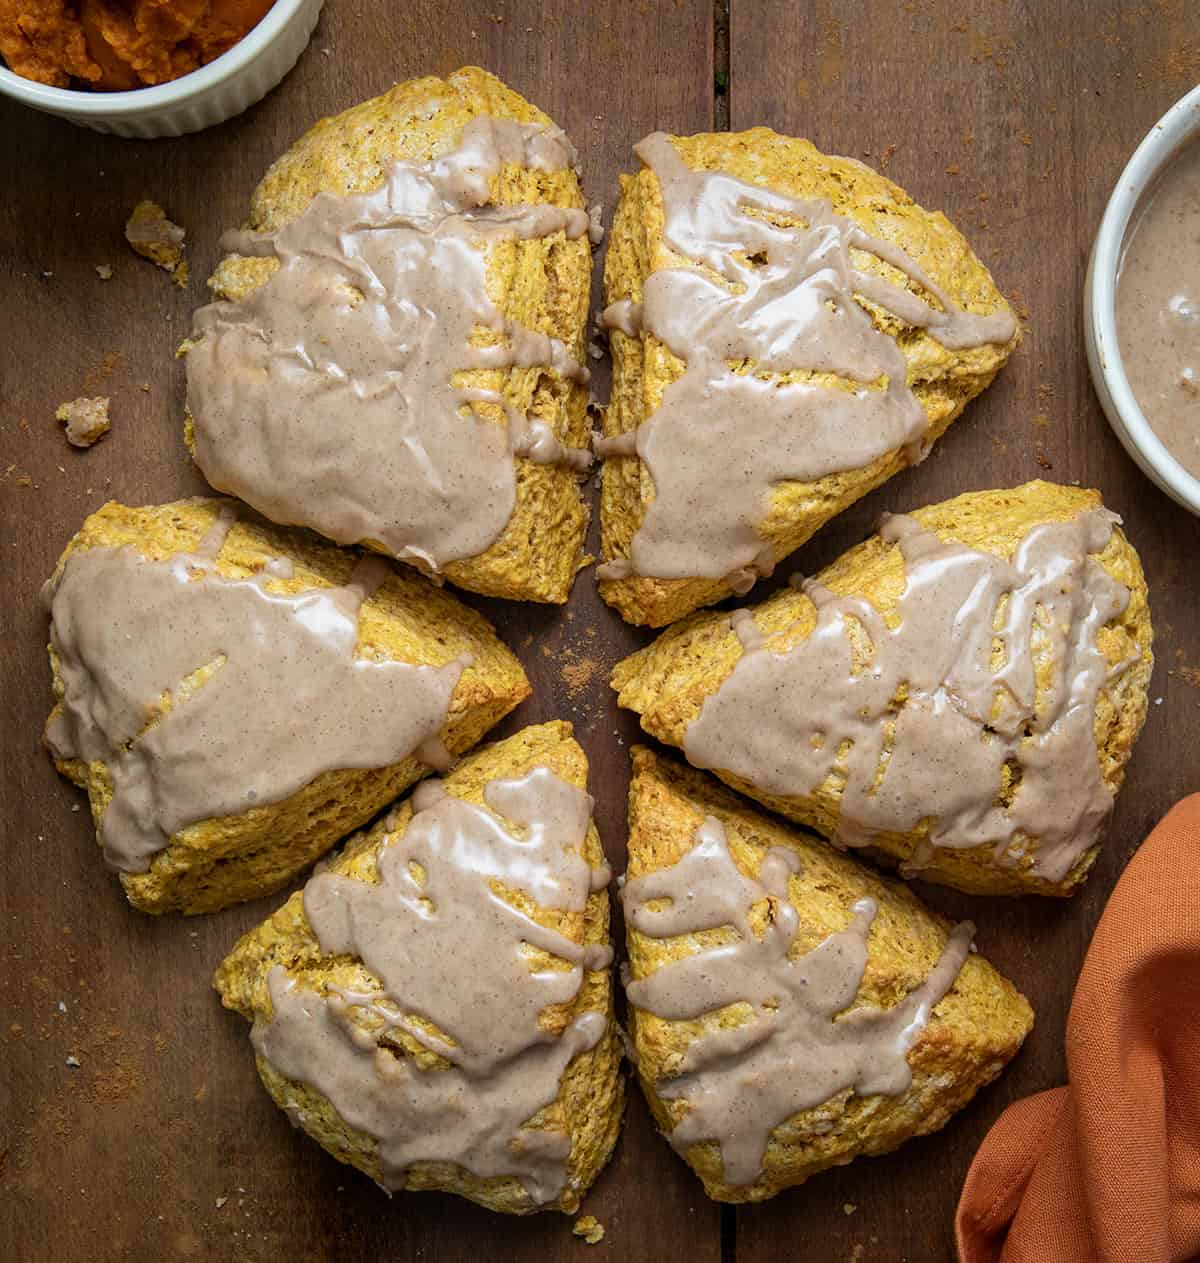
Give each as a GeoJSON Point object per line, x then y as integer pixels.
{"type": "Point", "coordinates": [471, 1144]}
{"type": "Point", "coordinates": [973, 726]}
{"type": "Point", "coordinates": [199, 821]}
{"type": "Point", "coordinates": [739, 1065]}
{"type": "Point", "coordinates": [537, 284]}
{"type": "Point", "coordinates": [791, 333]}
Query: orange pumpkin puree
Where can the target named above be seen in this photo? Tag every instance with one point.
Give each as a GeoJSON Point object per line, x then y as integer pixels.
{"type": "Point", "coordinates": [115, 45]}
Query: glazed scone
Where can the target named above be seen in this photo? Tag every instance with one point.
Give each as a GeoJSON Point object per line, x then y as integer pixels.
{"type": "Point", "coordinates": [131, 644]}
{"type": "Point", "coordinates": [776, 1102]}
{"type": "Point", "coordinates": [459, 448]}
{"type": "Point", "coordinates": [446, 973]}
{"type": "Point", "coordinates": [977, 735]}
{"type": "Point", "coordinates": [748, 357]}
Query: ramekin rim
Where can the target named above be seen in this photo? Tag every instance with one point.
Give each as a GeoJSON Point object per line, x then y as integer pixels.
{"type": "Point", "coordinates": [1176, 128]}
{"type": "Point", "coordinates": [81, 103]}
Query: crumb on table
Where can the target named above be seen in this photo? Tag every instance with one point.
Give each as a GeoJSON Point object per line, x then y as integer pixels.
{"type": "Point", "coordinates": [86, 419]}
{"type": "Point", "coordinates": [589, 1228]}
{"type": "Point", "coordinates": [155, 237]}
{"type": "Point", "coordinates": [104, 271]}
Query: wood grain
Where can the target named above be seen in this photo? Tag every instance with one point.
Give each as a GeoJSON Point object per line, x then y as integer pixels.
{"type": "Point", "coordinates": [1015, 119]}
{"type": "Point", "coordinates": [1035, 106]}
{"type": "Point", "coordinates": [127, 1156]}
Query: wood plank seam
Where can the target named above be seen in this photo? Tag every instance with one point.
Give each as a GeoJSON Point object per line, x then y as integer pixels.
{"type": "Point", "coordinates": [722, 89]}
{"type": "Point", "coordinates": [721, 84]}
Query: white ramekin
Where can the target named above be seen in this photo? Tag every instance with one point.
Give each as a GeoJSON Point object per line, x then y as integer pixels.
{"type": "Point", "coordinates": [1179, 125]}
{"type": "Point", "coordinates": [225, 87]}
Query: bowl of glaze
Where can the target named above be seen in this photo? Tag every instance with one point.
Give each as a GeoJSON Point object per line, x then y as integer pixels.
{"type": "Point", "coordinates": [1178, 130]}
{"type": "Point", "coordinates": [225, 87]}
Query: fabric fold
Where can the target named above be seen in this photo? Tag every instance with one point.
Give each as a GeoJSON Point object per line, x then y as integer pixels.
{"type": "Point", "coordinates": [1107, 1169]}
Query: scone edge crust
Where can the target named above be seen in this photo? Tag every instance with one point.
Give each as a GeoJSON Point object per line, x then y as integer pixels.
{"type": "Point", "coordinates": [668, 681]}
{"type": "Point", "coordinates": [215, 863]}
{"type": "Point", "coordinates": [591, 1094]}
{"type": "Point", "coordinates": [943, 380]}
{"type": "Point", "coordinates": [972, 1035]}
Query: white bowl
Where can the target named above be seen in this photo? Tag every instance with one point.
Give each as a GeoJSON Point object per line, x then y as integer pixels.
{"type": "Point", "coordinates": [1179, 125]}
{"type": "Point", "coordinates": [226, 86]}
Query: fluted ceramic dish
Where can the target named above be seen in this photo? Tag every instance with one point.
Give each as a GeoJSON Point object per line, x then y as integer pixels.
{"type": "Point", "coordinates": [1178, 127]}
{"type": "Point", "coordinates": [225, 87]}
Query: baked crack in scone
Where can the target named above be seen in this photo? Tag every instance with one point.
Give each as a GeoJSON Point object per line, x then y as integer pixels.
{"type": "Point", "coordinates": [396, 356]}
{"type": "Point", "coordinates": [790, 1009]}
{"type": "Point", "coordinates": [235, 698]}
{"type": "Point", "coordinates": [788, 331]}
{"type": "Point", "coordinates": [435, 1008]}
{"type": "Point", "coordinates": [959, 694]}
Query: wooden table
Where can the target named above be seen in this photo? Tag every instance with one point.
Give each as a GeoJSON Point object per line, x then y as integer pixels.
{"type": "Point", "coordinates": [1014, 117]}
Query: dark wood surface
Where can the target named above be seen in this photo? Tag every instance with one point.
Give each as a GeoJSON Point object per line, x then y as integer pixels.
{"type": "Point", "coordinates": [1013, 117]}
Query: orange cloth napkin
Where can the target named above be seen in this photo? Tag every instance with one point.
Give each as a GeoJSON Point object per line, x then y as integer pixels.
{"type": "Point", "coordinates": [1107, 1169]}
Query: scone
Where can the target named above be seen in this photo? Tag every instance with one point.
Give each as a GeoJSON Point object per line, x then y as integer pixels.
{"type": "Point", "coordinates": [396, 357]}
{"type": "Point", "coordinates": [791, 1010]}
{"type": "Point", "coordinates": [435, 1008]}
{"type": "Point", "coordinates": [788, 330]}
{"type": "Point", "coordinates": [235, 698]}
{"type": "Point", "coordinates": [959, 694]}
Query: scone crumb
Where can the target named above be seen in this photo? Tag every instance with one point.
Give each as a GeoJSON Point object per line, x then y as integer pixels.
{"type": "Point", "coordinates": [848, 1208]}
{"type": "Point", "coordinates": [86, 419]}
{"type": "Point", "coordinates": [104, 271]}
{"type": "Point", "coordinates": [577, 671]}
{"type": "Point", "coordinates": [109, 363]}
{"type": "Point", "coordinates": [589, 1228]}
{"type": "Point", "coordinates": [155, 237]}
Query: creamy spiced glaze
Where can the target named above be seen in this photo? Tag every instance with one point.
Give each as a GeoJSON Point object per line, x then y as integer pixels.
{"type": "Point", "coordinates": [1158, 309]}
{"type": "Point", "coordinates": [331, 396]}
{"type": "Point", "coordinates": [463, 973]}
{"type": "Point", "coordinates": [768, 286]}
{"type": "Point", "coordinates": [923, 714]}
{"type": "Point", "coordinates": [208, 697]}
{"type": "Point", "coordinates": [800, 1043]}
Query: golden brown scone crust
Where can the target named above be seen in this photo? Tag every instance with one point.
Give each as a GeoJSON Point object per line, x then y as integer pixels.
{"type": "Point", "coordinates": [215, 863]}
{"type": "Point", "coordinates": [667, 682]}
{"type": "Point", "coordinates": [974, 1031]}
{"type": "Point", "coordinates": [943, 380]}
{"type": "Point", "coordinates": [591, 1094]}
{"type": "Point", "coordinates": [543, 283]}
